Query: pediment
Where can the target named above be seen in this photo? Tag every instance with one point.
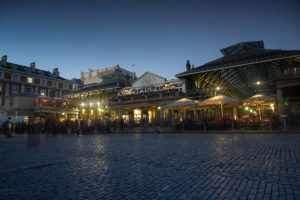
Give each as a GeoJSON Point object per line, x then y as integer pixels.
{"type": "Point", "coordinates": [148, 78]}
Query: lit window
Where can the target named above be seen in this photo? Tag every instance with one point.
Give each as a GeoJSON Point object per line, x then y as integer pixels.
{"type": "Point", "coordinates": [29, 80]}
{"type": "Point", "coordinates": [15, 77]}
{"type": "Point", "coordinates": [43, 92]}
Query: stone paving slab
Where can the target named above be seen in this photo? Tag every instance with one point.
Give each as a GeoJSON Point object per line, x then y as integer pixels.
{"type": "Point", "coordinates": [151, 166]}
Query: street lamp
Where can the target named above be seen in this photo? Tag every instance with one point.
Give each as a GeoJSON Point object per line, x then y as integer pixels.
{"type": "Point", "coordinates": [218, 88]}
{"type": "Point", "coordinates": [258, 83]}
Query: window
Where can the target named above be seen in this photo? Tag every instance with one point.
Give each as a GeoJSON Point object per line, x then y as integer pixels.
{"type": "Point", "coordinates": [43, 82]}
{"type": "Point", "coordinates": [0, 87]}
{"type": "Point", "coordinates": [14, 89]}
{"type": "Point", "coordinates": [0, 100]}
{"type": "Point", "coordinates": [27, 89]}
{"type": "Point", "coordinates": [15, 77]}
{"type": "Point", "coordinates": [54, 84]}
{"type": "Point", "coordinates": [1, 74]}
{"type": "Point", "coordinates": [29, 80]}
{"type": "Point", "coordinates": [65, 86]}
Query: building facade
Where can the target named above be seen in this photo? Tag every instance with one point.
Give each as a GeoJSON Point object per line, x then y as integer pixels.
{"type": "Point", "coordinates": [18, 79]}
{"type": "Point", "coordinates": [143, 101]}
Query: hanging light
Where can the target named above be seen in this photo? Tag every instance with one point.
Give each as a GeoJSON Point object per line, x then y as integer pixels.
{"type": "Point", "coordinates": [258, 83]}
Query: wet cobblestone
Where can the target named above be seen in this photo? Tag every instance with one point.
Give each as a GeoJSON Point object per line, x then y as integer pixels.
{"type": "Point", "coordinates": [146, 166]}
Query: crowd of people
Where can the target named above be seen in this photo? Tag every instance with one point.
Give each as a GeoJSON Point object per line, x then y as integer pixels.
{"type": "Point", "coordinates": [107, 125]}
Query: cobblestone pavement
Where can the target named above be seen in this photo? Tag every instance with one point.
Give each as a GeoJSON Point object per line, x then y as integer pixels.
{"type": "Point", "coordinates": [148, 166]}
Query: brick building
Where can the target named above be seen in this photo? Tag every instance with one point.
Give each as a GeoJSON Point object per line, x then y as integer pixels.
{"type": "Point", "coordinates": [17, 79]}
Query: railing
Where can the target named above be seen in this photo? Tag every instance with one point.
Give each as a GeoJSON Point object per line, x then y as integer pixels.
{"type": "Point", "coordinates": [37, 106]}
{"type": "Point", "coordinates": [288, 73]}
{"type": "Point", "coordinates": [157, 96]}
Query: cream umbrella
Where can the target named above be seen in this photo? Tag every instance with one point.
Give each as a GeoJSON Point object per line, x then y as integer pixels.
{"type": "Point", "coordinates": [259, 100]}
{"type": "Point", "coordinates": [181, 103]}
{"type": "Point", "coordinates": [219, 100]}
{"type": "Point", "coordinates": [184, 102]}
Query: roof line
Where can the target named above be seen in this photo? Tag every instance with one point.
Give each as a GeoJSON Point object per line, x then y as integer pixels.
{"type": "Point", "coordinates": [250, 63]}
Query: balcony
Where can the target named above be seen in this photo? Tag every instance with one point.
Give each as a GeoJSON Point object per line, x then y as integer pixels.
{"type": "Point", "coordinates": [146, 97]}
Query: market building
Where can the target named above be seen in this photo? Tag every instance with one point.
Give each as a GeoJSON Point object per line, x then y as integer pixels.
{"type": "Point", "coordinates": [144, 99]}
{"type": "Point", "coordinates": [247, 69]}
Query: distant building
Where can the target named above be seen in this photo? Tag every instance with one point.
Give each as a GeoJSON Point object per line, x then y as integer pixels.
{"type": "Point", "coordinates": [99, 87]}
{"type": "Point", "coordinates": [100, 75]}
{"type": "Point", "coordinates": [18, 79]}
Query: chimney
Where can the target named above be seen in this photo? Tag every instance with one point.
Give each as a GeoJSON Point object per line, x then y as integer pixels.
{"type": "Point", "coordinates": [55, 72]}
{"type": "Point", "coordinates": [4, 59]}
{"type": "Point", "coordinates": [32, 66]}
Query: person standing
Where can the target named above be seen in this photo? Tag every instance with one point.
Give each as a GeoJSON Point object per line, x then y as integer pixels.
{"type": "Point", "coordinates": [8, 127]}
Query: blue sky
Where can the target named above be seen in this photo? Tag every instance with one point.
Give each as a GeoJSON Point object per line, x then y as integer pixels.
{"type": "Point", "coordinates": [156, 36]}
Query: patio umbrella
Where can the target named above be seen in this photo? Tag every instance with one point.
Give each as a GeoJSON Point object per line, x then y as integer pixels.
{"type": "Point", "coordinates": [184, 102]}
{"type": "Point", "coordinates": [219, 100]}
{"type": "Point", "coordinates": [258, 100]}
{"type": "Point", "coordinates": [181, 103]}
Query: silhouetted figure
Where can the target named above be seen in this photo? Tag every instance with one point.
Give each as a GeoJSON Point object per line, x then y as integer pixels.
{"type": "Point", "coordinates": [188, 65]}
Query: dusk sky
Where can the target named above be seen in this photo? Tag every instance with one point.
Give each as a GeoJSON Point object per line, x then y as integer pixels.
{"type": "Point", "coordinates": [156, 36]}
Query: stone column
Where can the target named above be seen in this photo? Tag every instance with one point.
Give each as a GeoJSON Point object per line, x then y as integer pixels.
{"type": "Point", "coordinates": [22, 88]}
{"type": "Point", "coordinates": [147, 117]}
{"type": "Point", "coordinates": [119, 118]}
{"type": "Point", "coordinates": [161, 116]}
{"type": "Point", "coordinates": [280, 100]}
{"type": "Point", "coordinates": [7, 89]}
